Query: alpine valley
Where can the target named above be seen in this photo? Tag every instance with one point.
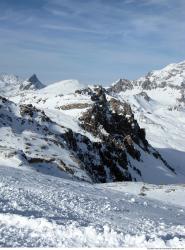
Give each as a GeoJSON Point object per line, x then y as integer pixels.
{"type": "Point", "coordinates": [92, 165]}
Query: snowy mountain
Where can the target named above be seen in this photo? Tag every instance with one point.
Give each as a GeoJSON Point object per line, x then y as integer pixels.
{"type": "Point", "coordinates": [158, 104]}
{"type": "Point", "coordinates": [172, 76]}
{"type": "Point", "coordinates": [32, 83]}
{"type": "Point", "coordinates": [88, 135]}
{"type": "Point", "coordinates": [58, 140]}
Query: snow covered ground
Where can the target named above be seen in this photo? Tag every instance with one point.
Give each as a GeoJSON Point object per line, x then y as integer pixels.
{"type": "Point", "coordinates": [41, 210]}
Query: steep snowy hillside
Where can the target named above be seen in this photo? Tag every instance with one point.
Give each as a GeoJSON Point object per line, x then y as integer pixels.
{"type": "Point", "coordinates": [40, 211]}
{"type": "Point", "coordinates": [158, 103]}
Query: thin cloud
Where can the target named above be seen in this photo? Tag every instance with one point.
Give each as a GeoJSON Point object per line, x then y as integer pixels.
{"type": "Point", "coordinates": [98, 38]}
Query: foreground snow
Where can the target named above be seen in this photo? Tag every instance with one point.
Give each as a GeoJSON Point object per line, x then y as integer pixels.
{"type": "Point", "coordinates": [41, 210]}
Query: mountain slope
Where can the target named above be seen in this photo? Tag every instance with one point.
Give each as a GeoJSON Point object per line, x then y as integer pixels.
{"type": "Point", "coordinates": [157, 101]}
{"type": "Point", "coordinates": [62, 87]}
{"type": "Point", "coordinates": [172, 75]}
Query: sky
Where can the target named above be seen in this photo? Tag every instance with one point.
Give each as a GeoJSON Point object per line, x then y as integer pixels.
{"type": "Point", "coordinates": [94, 41]}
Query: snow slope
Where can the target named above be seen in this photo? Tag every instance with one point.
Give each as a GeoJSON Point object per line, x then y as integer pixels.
{"type": "Point", "coordinates": [45, 211]}
{"type": "Point", "coordinates": [169, 194]}
{"type": "Point", "coordinates": [62, 87]}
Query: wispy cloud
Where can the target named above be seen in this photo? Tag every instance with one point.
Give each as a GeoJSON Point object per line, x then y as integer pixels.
{"type": "Point", "coordinates": [97, 39]}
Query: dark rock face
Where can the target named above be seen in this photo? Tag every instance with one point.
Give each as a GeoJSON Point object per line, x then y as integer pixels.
{"type": "Point", "coordinates": [32, 111]}
{"type": "Point", "coordinates": [3, 99]}
{"type": "Point", "coordinates": [111, 118]}
{"type": "Point", "coordinates": [113, 122]}
{"type": "Point", "coordinates": [103, 161]}
{"type": "Point", "coordinates": [28, 109]}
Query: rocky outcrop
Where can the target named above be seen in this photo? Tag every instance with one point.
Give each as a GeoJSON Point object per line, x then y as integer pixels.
{"type": "Point", "coordinates": [74, 106]}
{"type": "Point", "coordinates": [111, 119]}
{"type": "Point", "coordinates": [120, 85]}
{"type": "Point", "coordinates": [104, 161]}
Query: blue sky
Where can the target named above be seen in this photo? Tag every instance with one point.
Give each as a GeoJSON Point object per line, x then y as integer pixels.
{"type": "Point", "coordinates": [94, 41]}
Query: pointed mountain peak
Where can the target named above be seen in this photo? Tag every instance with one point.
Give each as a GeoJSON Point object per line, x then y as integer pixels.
{"type": "Point", "coordinates": [31, 83]}
{"type": "Point", "coordinates": [33, 79]}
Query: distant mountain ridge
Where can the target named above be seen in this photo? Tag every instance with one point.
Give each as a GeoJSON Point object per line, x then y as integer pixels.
{"type": "Point", "coordinates": [173, 75]}
{"type": "Point", "coordinates": [11, 85]}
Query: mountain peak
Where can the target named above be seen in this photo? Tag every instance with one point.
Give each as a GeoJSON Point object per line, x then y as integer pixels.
{"type": "Point", "coordinates": [33, 78]}
{"type": "Point", "coordinates": [120, 85]}
{"type": "Point", "coordinates": [31, 83]}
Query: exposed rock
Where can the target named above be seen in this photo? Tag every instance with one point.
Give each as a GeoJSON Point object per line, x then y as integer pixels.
{"type": "Point", "coordinates": [74, 106]}
{"type": "Point", "coordinates": [28, 109]}
{"type": "Point", "coordinates": [113, 122]}
{"type": "Point", "coordinates": [103, 161]}
{"type": "Point", "coordinates": [121, 85]}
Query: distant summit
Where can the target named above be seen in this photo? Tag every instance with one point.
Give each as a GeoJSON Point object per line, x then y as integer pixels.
{"type": "Point", "coordinates": [173, 75]}
{"type": "Point", "coordinates": [31, 83]}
